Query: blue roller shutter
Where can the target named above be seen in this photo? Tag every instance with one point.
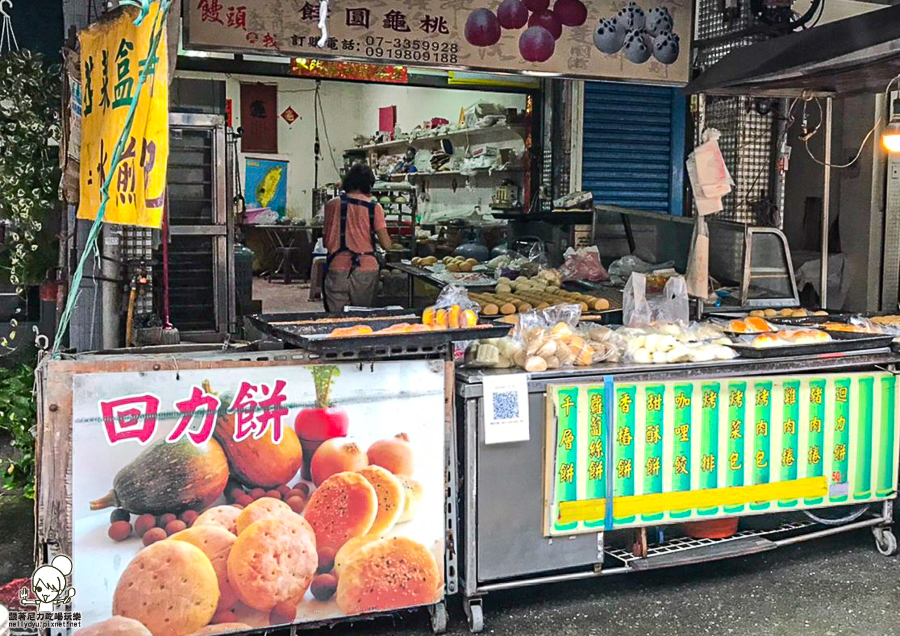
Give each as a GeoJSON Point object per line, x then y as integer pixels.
{"type": "Point", "coordinates": [633, 146]}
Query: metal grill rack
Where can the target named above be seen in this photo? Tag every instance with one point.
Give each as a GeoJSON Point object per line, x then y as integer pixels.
{"type": "Point", "coordinates": [683, 544]}
{"type": "Point", "coordinates": [748, 137]}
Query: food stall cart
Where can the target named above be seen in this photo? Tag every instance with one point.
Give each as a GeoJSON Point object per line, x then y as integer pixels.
{"type": "Point", "coordinates": [797, 447]}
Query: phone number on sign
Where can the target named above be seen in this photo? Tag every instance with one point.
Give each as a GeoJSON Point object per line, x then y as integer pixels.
{"type": "Point", "coordinates": [415, 50]}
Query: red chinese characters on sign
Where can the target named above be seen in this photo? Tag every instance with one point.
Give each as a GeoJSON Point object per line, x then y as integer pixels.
{"type": "Point", "coordinates": [290, 115]}
{"type": "Point", "coordinates": [130, 418]}
{"type": "Point", "coordinates": [258, 408]}
{"type": "Point", "coordinates": [200, 404]}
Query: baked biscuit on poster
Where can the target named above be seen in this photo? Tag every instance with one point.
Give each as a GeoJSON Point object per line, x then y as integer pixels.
{"type": "Point", "coordinates": [170, 587]}
{"type": "Point", "coordinates": [391, 498]}
{"type": "Point", "coordinates": [273, 560]}
{"type": "Point", "coordinates": [389, 574]}
{"type": "Point", "coordinates": [215, 542]}
{"type": "Point", "coordinates": [343, 507]}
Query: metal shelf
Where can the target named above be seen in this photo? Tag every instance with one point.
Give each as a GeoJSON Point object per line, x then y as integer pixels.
{"type": "Point", "coordinates": [466, 132]}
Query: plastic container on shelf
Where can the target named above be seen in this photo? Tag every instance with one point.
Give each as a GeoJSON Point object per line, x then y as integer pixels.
{"type": "Point", "coordinates": [712, 529]}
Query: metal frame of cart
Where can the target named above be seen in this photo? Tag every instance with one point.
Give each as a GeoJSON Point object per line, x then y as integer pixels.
{"type": "Point", "coordinates": [493, 559]}
{"type": "Point", "coordinates": [53, 499]}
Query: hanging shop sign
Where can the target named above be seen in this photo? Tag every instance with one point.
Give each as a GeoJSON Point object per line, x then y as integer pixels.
{"type": "Point", "coordinates": [285, 494]}
{"type": "Point", "coordinates": [672, 452]}
{"type": "Point", "coordinates": [645, 40]}
{"type": "Point", "coordinates": [113, 54]}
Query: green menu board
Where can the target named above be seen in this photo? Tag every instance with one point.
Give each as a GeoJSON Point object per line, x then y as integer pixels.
{"type": "Point", "coordinates": [671, 452]}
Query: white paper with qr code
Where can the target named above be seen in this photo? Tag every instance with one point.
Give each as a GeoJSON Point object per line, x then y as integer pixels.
{"type": "Point", "coordinates": [506, 408]}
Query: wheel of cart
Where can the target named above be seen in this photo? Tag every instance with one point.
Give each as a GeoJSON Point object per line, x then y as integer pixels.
{"type": "Point", "coordinates": [885, 540]}
{"type": "Point", "coordinates": [474, 614]}
{"type": "Point", "coordinates": [439, 617]}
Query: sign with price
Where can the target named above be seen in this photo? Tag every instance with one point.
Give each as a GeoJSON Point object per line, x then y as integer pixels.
{"type": "Point", "coordinates": [113, 55]}
{"type": "Point", "coordinates": [642, 40]}
{"type": "Point", "coordinates": [688, 451]}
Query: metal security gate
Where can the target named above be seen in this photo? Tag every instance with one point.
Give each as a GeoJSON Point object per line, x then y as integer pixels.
{"type": "Point", "coordinates": [633, 146]}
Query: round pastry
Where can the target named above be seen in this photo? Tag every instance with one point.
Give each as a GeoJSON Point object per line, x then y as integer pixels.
{"type": "Point", "coordinates": [215, 542]}
{"type": "Point", "coordinates": [388, 574]}
{"type": "Point", "coordinates": [413, 498]}
{"type": "Point", "coordinates": [343, 507]}
{"type": "Point", "coordinates": [115, 626]}
{"type": "Point", "coordinates": [273, 560]}
{"type": "Point", "coordinates": [263, 508]}
{"type": "Point", "coordinates": [350, 548]}
{"type": "Point", "coordinates": [391, 498]}
{"type": "Point", "coordinates": [170, 587]}
{"type": "Point", "coordinates": [222, 516]}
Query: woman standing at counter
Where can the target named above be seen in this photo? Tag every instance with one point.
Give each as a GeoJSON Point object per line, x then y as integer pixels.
{"type": "Point", "coordinates": [353, 222]}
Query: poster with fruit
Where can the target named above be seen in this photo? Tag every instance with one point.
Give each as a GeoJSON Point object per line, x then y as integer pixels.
{"type": "Point", "coordinates": [631, 40]}
{"type": "Point", "coordinates": [225, 499]}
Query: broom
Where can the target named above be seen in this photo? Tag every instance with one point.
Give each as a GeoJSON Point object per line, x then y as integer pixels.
{"type": "Point", "coordinates": [169, 334]}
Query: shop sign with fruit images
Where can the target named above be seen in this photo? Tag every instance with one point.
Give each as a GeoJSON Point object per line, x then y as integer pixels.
{"type": "Point", "coordinates": [639, 40]}
{"type": "Point", "coordinates": [221, 500]}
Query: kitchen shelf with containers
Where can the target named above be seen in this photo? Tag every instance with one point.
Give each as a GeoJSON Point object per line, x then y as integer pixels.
{"type": "Point", "coordinates": [399, 203]}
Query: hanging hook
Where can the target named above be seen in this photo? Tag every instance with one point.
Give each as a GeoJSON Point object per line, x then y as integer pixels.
{"type": "Point", "coordinates": [3, 12]}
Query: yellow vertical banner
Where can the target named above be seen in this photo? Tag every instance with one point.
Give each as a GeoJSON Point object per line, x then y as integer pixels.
{"type": "Point", "coordinates": [113, 54]}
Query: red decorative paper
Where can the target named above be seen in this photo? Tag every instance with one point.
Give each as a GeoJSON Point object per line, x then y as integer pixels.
{"type": "Point", "coordinates": [290, 115]}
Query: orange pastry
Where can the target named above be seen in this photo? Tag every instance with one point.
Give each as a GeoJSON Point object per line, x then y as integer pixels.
{"type": "Point", "coordinates": [388, 574]}
{"type": "Point", "coordinates": [342, 507]}
{"type": "Point", "coordinates": [758, 324]}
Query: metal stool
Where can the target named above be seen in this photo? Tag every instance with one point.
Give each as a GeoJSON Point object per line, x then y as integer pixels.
{"type": "Point", "coordinates": [285, 268]}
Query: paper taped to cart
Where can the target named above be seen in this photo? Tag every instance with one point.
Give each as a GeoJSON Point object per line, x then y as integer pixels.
{"type": "Point", "coordinates": [672, 452]}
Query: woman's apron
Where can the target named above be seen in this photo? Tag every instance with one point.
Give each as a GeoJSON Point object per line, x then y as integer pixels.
{"type": "Point", "coordinates": [354, 256]}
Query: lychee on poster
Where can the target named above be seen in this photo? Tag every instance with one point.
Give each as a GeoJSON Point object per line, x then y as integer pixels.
{"type": "Point", "coordinates": [227, 499]}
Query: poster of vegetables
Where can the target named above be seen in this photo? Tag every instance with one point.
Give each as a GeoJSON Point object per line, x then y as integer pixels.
{"type": "Point", "coordinates": [220, 500]}
{"type": "Point", "coordinates": [630, 40]}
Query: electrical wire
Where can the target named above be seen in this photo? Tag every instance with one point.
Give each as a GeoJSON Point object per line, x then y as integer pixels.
{"type": "Point", "coordinates": [862, 145]}
{"type": "Point", "coordinates": [325, 130]}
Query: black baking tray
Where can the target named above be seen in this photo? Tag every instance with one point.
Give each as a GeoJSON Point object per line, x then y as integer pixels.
{"type": "Point", "coordinates": [311, 334]}
{"type": "Point", "coordinates": [840, 342]}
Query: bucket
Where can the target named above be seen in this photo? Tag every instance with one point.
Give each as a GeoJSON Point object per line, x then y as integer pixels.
{"type": "Point", "coordinates": [712, 529]}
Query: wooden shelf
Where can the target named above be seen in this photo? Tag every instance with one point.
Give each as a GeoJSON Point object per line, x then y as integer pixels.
{"type": "Point", "coordinates": [476, 133]}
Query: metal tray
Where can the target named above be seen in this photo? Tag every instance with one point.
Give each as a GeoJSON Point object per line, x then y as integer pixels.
{"type": "Point", "coordinates": [841, 342]}
{"type": "Point", "coordinates": [312, 335]}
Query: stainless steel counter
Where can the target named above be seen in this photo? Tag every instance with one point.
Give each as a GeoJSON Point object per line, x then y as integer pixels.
{"type": "Point", "coordinates": [501, 486]}
{"type": "Point", "coordinates": [468, 381]}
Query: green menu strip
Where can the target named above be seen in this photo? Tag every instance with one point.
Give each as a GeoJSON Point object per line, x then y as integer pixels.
{"type": "Point", "coordinates": [623, 446]}
{"type": "Point", "coordinates": [886, 480]}
{"type": "Point", "coordinates": [737, 397]}
{"type": "Point", "coordinates": [789, 435]}
{"type": "Point", "coordinates": [840, 449]}
{"type": "Point", "coordinates": [862, 483]}
{"type": "Point", "coordinates": [815, 463]}
{"type": "Point", "coordinates": [596, 475]}
{"type": "Point", "coordinates": [709, 441]}
{"type": "Point", "coordinates": [653, 443]}
{"type": "Point", "coordinates": [762, 421]}
{"type": "Point", "coordinates": [681, 443]}
{"type": "Point", "coordinates": [566, 450]}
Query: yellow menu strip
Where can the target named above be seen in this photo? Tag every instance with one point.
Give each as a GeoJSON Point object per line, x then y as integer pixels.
{"type": "Point", "coordinates": [594, 509]}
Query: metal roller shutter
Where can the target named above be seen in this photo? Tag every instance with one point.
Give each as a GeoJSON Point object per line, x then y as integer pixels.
{"type": "Point", "coordinates": [633, 146]}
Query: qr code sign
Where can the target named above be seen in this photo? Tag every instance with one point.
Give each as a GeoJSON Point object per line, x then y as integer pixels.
{"type": "Point", "coordinates": [506, 405]}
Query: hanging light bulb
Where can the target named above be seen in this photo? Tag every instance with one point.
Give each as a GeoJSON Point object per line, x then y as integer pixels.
{"type": "Point", "coordinates": [890, 137]}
